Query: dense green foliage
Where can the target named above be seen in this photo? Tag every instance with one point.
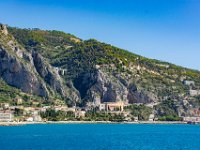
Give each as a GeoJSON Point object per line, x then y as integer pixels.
{"type": "Point", "coordinates": [53, 115]}
{"type": "Point", "coordinates": [103, 116]}
{"type": "Point", "coordinates": [167, 111]}
{"type": "Point", "coordinates": [170, 118]}
{"type": "Point", "coordinates": [7, 93]}
{"type": "Point", "coordinates": [140, 111]}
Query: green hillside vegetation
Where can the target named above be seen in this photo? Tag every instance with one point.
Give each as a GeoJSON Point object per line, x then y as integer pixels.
{"type": "Point", "coordinates": [59, 47]}
{"type": "Point", "coordinates": [140, 111]}
{"type": "Point", "coordinates": [7, 93]}
{"type": "Point", "coordinates": [80, 57]}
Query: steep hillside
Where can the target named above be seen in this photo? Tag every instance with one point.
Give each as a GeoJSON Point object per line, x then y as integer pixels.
{"type": "Point", "coordinates": [28, 70]}
{"type": "Point", "coordinates": [53, 64]}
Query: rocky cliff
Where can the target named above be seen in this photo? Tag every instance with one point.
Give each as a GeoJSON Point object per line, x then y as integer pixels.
{"type": "Point", "coordinates": [28, 70]}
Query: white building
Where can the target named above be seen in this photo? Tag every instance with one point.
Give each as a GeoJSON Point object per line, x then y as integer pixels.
{"type": "Point", "coordinates": [29, 119]}
{"type": "Point", "coordinates": [151, 117]}
{"type": "Point", "coordinates": [194, 92]}
{"type": "Point", "coordinates": [192, 119]}
{"type": "Point", "coordinates": [37, 118]}
{"type": "Point", "coordinates": [5, 105]}
{"type": "Point", "coordinates": [6, 117]}
{"type": "Point", "coordinates": [135, 119]}
{"type": "Point", "coordinates": [187, 82]}
{"type": "Point", "coordinates": [102, 107]}
{"type": "Point", "coordinates": [80, 113]}
{"type": "Point", "coordinates": [114, 106]}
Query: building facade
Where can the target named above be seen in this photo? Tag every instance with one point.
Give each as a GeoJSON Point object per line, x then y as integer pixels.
{"type": "Point", "coordinates": [6, 117]}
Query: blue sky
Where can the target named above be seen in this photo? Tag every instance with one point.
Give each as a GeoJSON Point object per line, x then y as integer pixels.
{"type": "Point", "coordinates": [167, 30]}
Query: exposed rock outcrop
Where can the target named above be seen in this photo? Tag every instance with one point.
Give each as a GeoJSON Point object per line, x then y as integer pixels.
{"type": "Point", "coordinates": [108, 88]}
{"type": "Point", "coordinates": [19, 75]}
{"type": "Point", "coordinates": [46, 72]}
{"type": "Point", "coordinates": [3, 29]}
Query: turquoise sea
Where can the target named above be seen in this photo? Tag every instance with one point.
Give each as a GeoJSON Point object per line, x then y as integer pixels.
{"type": "Point", "coordinates": [100, 137]}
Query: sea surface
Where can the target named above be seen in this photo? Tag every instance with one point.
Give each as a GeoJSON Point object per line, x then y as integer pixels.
{"type": "Point", "coordinates": [100, 137]}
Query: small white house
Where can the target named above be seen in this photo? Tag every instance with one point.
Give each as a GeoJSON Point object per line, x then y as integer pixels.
{"type": "Point", "coordinates": [151, 117]}
{"type": "Point", "coordinates": [29, 119]}
{"type": "Point", "coordinates": [5, 105]}
{"type": "Point", "coordinates": [102, 107]}
{"type": "Point", "coordinates": [6, 117]}
{"type": "Point", "coordinates": [194, 92]}
{"type": "Point", "coordinates": [37, 118]}
{"type": "Point", "coordinates": [188, 82]}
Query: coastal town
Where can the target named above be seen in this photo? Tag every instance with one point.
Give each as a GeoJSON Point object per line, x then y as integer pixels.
{"type": "Point", "coordinates": [93, 111]}
{"type": "Point", "coordinates": [34, 113]}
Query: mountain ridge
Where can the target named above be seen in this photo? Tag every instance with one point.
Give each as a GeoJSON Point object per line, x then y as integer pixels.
{"type": "Point", "coordinates": [78, 71]}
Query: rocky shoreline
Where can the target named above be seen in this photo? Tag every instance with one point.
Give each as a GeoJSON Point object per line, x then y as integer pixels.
{"type": "Point", "coordinates": [89, 122]}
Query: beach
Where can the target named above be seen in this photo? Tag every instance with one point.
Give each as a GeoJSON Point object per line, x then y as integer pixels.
{"type": "Point", "coordinates": [89, 122]}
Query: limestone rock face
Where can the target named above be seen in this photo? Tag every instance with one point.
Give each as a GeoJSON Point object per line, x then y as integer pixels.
{"type": "Point", "coordinates": [46, 72]}
{"type": "Point", "coordinates": [13, 68]}
{"type": "Point", "coordinates": [19, 75]}
{"type": "Point", "coordinates": [134, 96]}
{"type": "Point", "coordinates": [108, 88]}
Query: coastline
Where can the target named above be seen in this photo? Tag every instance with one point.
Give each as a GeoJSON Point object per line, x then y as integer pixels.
{"type": "Point", "coordinates": [89, 122]}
